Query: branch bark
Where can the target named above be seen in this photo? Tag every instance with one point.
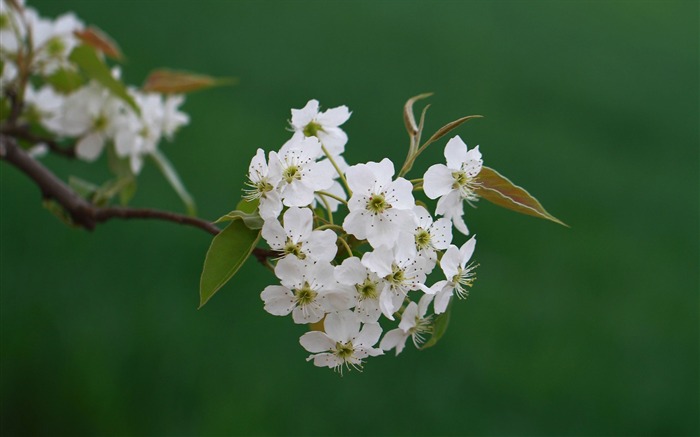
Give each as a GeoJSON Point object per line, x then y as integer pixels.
{"type": "Point", "coordinates": [84, 213]}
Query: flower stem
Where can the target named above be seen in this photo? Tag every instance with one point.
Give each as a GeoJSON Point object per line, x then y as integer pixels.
{"type": "Point", "coordinates": [347, 246]}
{"type": "Point", "coordinates": [328, 208]}
{"type": "Point", "coordinates": [332, 196]}
{"type": "Point", "coordinates": [337, 169]}
{"type": "Point", "coordinates": [330, 226]}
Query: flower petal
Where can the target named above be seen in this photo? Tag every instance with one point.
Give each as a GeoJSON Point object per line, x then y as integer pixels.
{"type": "Point", "coordinates": [316, 341]}
{"type": "Point", "coordinates": [455, 153]}
{"type": "Point", "coordinates": [437, 181]}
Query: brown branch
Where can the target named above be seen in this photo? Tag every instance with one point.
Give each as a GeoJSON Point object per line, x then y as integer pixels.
{"type": "Point", "coordinates": [84, 213]}
{"type": "Point", "coordinates": [23, 132]}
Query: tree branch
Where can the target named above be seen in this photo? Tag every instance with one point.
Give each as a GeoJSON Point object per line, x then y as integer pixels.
{"type": "Point", "coordinates": [23, 132]}
{"type": "Point", "coordinates": [84, 213]}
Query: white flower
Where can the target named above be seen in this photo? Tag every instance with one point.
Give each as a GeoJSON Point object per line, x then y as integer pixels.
{"type": "Point", "coordinates": [430, 236]}
{"type": "Point", "coordinates": [309, 291]}
{"type": "Point", "coordinates": [454, 182]}
{"type": "Point", "coordinates": [401, 270]}
{"type": "Point", "coordinates": [298, 238]}
{"type": "Point", "coordinates": [45, 103]}
{"type": "Point", "coordinates": [379, 207]}
{"type": "Point", "coordinates": [323, 125]}
{"type": "Point", "coordinates": [300, 174]}
{"type": "Point", "coordinates": [90, 113]}
{"type": "Point", "coordinates": [173, 118]}
{"type": "Point", "coordinates": [459, 275]}
{"type": "Point", "coordinates": [263, 186]}
{"type": "Point", "coordinates": [342, 343]}
{"type": "Point", "coordinates": [12, 29]}
{"type": "Point", "coordinates": [368, 287]}
{"type": "Point", "coordinates": [413, 324]}
{"type": "Point", "coordinates": [53, 39]}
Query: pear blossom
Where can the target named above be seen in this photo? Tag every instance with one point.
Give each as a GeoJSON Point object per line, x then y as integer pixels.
{"type": "Point", "coordinates": [367, 285]}
{"type": "Point", "coordinates": [379, 207]}
{"type": "Point", "coordinates": [459, 275]}
{"type": "Point", "coordinates": [308, 291]}
{"type": "Point", "coordinates": [454, 182]}
{"type": "Point", "coordinates": [53, 40]}
{"type": "Point", "coordinates": [12, 29]}
{"type": "Point", "coordinates": [414, 324]}
{"type": "Point", "coordinates": [401, 270]}
{"type": "Point", "coordinates": [90, 113]}
{"type": "Point", "coordinates": [263, 186]}
{"type": "Point", "coordinates": [323, 125]}
{"type": "Point", "coordinates": [430, 236]}
{"type": "Point", "coordinates": [301, 175]}
{"type": "Point", "coordinates": [298, 238]}
{"type": "Point", "coordinates": [139, 135]}
{"type": "Point", "coordinates": [343, 343]}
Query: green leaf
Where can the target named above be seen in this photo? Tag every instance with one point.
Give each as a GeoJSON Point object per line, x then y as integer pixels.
{"type": "Point", "coordinates": [173, 179]}
{"type": "Point", "coordinates": [248, 206]}
{"type": "Point", "coordinates": [168, 81]}
{"type": "Point", "coordinates": [498, 190]}
{"type": "Point", "coordinates": [128, 191]}
{"type": "Point", "coordinates": [90, 63]}
{"type": "Point", "coordinates": [251, 220]}
{"type": "Point", "coordinates": [124, 186]}
{"type": "Point", "coordinates": [447, 128]}
{"type": "Point", "coordinates": [439, 328]}
{"type": "Point", "coordinates": [227, 253]}
{"type": "Point", "coordinates": [65, 81]}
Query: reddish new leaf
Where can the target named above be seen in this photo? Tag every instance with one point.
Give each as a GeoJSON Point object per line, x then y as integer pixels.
{"type": "Point", "coordinates": [99, 40]}
{"type": "Point", "coordinates": [497, 189]}
{"type": "Point", "coordinates": [168, 81]}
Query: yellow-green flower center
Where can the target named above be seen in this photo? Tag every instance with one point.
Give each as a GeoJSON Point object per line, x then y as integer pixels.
{"type": "Point", "coordinates": [422, 239]}
{"type": "Point", "coordinates": [291, 173]}
{"type": "Point", "coordinates": [460, 179]}
{"type": "Point", "coordinates": [312, 129]}
{"type": "Point", "coordinates": [304, 295]}
{"type": "Point", "coordinates": [344, 350]}
{"type": "Point", "coordinates": [377, 204]}
{"type": "Point", "coordinates": [55, 47]}
{"type": "Point", "coordinates": [396, 276]}
{"type": "Point", "coordinates": [293, 248]}
{"type": "Point", "coordinates": [367, 290]}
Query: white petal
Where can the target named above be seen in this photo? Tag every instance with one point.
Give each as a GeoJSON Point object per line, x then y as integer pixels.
{"type": "Point", "coordinates": [351, 271]}
{"type": "Point", "coordinates": [342, 326]}
{"type": "Point", "coordinates": [356, 223]}
{"type": "Point", "coordinates": [379, 261]}
{"type": "Point", "coordinates": [316, 341]}
{"type": "Point", "coordinates": [361, 179]}
{"type": "Point", "coordinates": [442, 298]}
{"type": "Point", "coordinates": [466, 251]}
{"type": "Point", "coordinates": [326, 360]}
{"type": "Point", "coordinates": [408, 318]}
{"type": "Point", "coordinates": [270, 206]}
{"type": "Point", "coordinates": [334, 140]}
{"type": "Point", "coordinates": [290, 270]}
{"type": "Point", "coordinates": [437, 181]}
{"type": "Point", "coordinates": [399, 194]}
{"type": "Point", "coordinates": [460, 224]}
{"type": "Point", "coordinates": [321, 246]}
{"type": "Point", "coordinates": [308, 314]}
{"type": "Point", "coordinates": [441, 233]}
{"type": "Point", "coordinates": [369, 335]}
{"type": "Point", "coordinates": [450, 262]}
{"type": "Point", "coordinates": [423, 304]}
{"type": "Point", "coordinates": [334, 116]}
{"type": "Point", "coordinates": [395, 338]}
{"type": "Point", "coordinates": [298, 223]}
{"type": "Point", "coordinates": [422, 216]}
{"type": "Point", "coordinates": [302, 117]}
{"type": "Point", "coordinates": [90, 146]}
{"type": "Point", "coordinates": [455, 153]}
{"type": "Point", "coordinates": [274, 234]}
{"type": "Point", "coordinates": [473, 162]}
{"type": "Point", "coordinates": [279, 300]}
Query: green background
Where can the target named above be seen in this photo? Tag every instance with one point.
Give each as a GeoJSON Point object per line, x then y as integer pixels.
{"type": "Point", "coordinates": [592, 106]}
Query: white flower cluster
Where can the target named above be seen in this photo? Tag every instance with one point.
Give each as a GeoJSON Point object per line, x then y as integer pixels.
{"type": "Point", "coordinates": [91, 114]}
{"type": "Point", "coordinates": [343, 279]}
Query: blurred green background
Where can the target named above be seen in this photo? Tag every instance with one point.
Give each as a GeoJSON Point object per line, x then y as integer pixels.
{"type": "Point", "coordinates": [592, 106]}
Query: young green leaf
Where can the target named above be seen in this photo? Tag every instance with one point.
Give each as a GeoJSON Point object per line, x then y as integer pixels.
{"type": "Point", "coordinates": [447, 128]}
{"type": "Point", "coordinates": [252, 220]}
{"type": "Point", "coordinates": [168, 81]}
{"type": "Point", "coordinates": [173, 179]}
{"type": "Point", "coordinates": [439, 328]}
{"type": "Point", "coordinates": [98, 39]}
{"type": "Point", "coordinates": [227, 253]}
{"type": "Point", "coordinates": [90, 63]}
{"type": "Point", "coordinates": [65, 81]}
{"type": "Point", "coordinates": [497, 189]}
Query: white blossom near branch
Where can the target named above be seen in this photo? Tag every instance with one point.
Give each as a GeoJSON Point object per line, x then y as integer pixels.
{"type": "Point", "coordinates": [310, 122]}
{"type": "Point", "coordinates": [297, 237]}
{"type": "Point", "coordinates": [459, 274]}
{"type": "Point", "coordinates": [414, 324]}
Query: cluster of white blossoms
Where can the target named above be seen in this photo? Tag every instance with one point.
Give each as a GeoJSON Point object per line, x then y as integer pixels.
{"type": "Point", "coordinates": [91, 113]}
{"type": "Point", "coordinates": [347, 279]}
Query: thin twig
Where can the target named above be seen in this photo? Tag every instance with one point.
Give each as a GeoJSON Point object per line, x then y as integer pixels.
{"type": "Point", "coordinates": [84, 213]}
